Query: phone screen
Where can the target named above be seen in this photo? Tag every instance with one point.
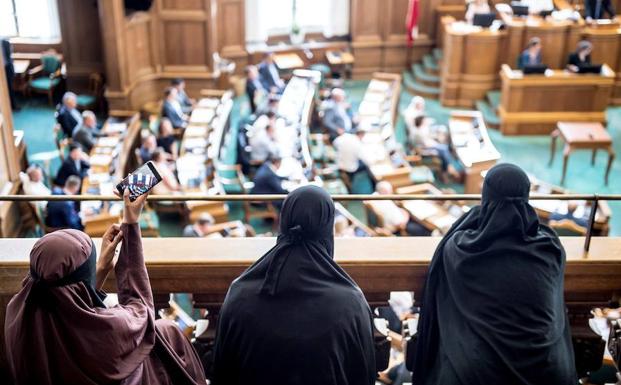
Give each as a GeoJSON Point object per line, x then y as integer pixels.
{"type": "Point", "coordinates": [140, 181]}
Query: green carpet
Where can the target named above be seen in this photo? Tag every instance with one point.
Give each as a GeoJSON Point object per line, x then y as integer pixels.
{"type": "Point", "coordinates": [36, 119]}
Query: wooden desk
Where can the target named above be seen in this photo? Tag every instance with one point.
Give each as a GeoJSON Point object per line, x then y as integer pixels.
{"type": "Point", "coordinates": [340, 61]}
{"type": "Point", "coordinates": [288, 61]}
{"type": "Point", "coordinates": [533, 104]}
{"type": "Point", "coordinates": [472, 59]}
{"type": "Point", "coordinates": [21, 66]}
{"type": "Point", "coordinates": [582, 136]}
{"type": "Point", "coordinates": [606, 38]}
{"type": "Point", "coordinates": [20, 82]}
{"type": "Point", "coordinates": [434, 215]}
{"type": "Point", "coordinates": [473, 146]}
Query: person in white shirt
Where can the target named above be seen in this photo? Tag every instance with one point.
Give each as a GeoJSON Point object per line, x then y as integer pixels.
{"type": "Point", "coordinates": [32, 184]}
{"type": "Point", "coordinates": [415, 109]}
{"type": "Point", "coordinates": [350, 155]}
{"type": "Point", "coordinates": [169, 184]}
{"type": "Point", "coordinates": [396, 219]}
{"type": "Point", "coordinates": [422, 138]}
{"type": "Point", "coordinates": [476, 7]}
{"type": "Point", "coordinates": [263, 143]}
{"type": "Point", "coordinates": [538, 6]}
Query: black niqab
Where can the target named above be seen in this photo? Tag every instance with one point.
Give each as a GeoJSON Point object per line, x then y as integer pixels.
{"type": "Point", "coordinates": [295, 317]}
{"type": "Point", "coordinates": [493, 309]}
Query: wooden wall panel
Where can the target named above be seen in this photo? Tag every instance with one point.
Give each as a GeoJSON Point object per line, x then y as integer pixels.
{"type": "Point", "coordinates": [177, 52]}
{"type": "Point", "coordinates": [184, 4]}
{"type": "Point", "coordinates": [367, 19]}
{"type": "Point", "coordinates": [231, 32]}
{"type": "Point", "coordinates": [138, 48]}
{"type": "Point", "coordinates": [81, 40]}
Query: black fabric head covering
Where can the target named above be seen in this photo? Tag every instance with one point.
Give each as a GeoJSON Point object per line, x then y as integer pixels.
{"type": "Point", "coordinates": [295, 317]}
{"type": "Point", "coordinates": [86, 273]}
{"type": "Point", "coordinates": [493, 308]}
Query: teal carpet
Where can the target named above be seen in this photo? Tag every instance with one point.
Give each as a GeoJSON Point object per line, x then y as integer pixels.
{"type": "Point", "coordinates": [36, 119]}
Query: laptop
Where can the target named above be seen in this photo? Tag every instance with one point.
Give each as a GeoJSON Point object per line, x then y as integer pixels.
{"type": "Point", "coordinates": [590, 69]}
{"type": "Point", "coordinates": [484, 20]}
{"type": "Point", "coordinates": [534, 69]}
{"type": "Point", "coordinates": [519, 9]}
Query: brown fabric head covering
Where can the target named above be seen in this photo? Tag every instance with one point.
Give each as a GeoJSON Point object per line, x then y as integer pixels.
{"type": "Point", "coordinates": [66, 333]}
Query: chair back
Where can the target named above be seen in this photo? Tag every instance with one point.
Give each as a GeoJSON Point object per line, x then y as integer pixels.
{"type": "Point", "coordinates": [95, 84]}
{"type": "Point", "coordinates": [50, 63]}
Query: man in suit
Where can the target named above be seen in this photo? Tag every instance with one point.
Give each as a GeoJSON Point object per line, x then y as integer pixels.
{"type": "Point", "coordinates": [182, 97]}
{"type": "Point", "coordinates": [596, 9]}
{"type": "Point", "coordinates": [68, 115]}
{"type": "Point", "coordinates": [75, 164]}
{"type": "Point", "coordinates": [254, 88]}
{"type": "Point", "coordinates": [172, 110]}
{"type": "Point", "coordinates": [268, 73]}
{"type": "Point", "coordinates": [200, 228]}
{"type": "Point", "coordinates": [87, 133]}
{"type": "Point", "coordinates": [267, 181]}
{"type": "Point", "coordinates": [64, 214]}
{"type": "Point", "coordinates": [531, 55]}
{"type": "Point", "coordinates": [338, 118]}
{"type": "Point", "coordinates": [9, 70]}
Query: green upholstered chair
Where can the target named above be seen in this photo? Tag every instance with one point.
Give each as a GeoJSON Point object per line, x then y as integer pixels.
{"type": "Point", "coordinates": [92, 99]}
{"type": "Point", "coordinates": [46, 77]}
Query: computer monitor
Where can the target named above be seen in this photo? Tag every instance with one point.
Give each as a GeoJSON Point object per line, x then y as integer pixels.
{"type": "Point", "coordinates": [589, 68]}
{"type": "Point", "coordinates": [484, 20]}
{"type": "Point", "coordinates": [519, 9]}
{"type": "Point", "coordinates": [545, 13]}
{"type": "Point", "coordinates": [530, 69]}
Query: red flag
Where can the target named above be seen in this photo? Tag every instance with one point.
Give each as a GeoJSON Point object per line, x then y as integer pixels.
{"type": "Point", "coordinates": [411, 21]}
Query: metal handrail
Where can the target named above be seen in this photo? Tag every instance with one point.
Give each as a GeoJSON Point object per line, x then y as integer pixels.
{"type": "Point", "coordinates": [277, 197]}
{"type": "Point", "coordinates": [594, 198]}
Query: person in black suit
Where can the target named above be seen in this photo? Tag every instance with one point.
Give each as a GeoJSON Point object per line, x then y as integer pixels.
{"type": "Point", "coordinates": [581, 57]}
{"type": "Point", "coordinates": [531, 55]}
{"type": "Point", "coordinates": [9, 70]}
{"type": "Point", "coordinates": [68, 115]}
{"type": "Point", "coordinates": [254, 88]}
{"type": "Point", "coordinates": [595, 9]}
{"type": "Point", "coordinates": [182, 97]}
{"type": "Point", "coordinates": [267, 181]}
{"type": "Point", "coordinates": [268, 73]}
{"type": "Point", "coordinates": [75, 164]}
{"type": "Point", "coordinates": [64, 214]}
{"type": "Point", "coordinates": [172, 110]}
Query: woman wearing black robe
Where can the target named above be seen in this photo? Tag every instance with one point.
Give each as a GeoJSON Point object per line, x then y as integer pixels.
{"type": "Point", "coordinates": [493, 310]}
{"type": "Point", "coordinates": [295, 317]}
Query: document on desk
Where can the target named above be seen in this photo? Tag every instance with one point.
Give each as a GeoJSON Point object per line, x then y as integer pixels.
{"type": "Point", "coordinates": [108, 141]}
{"type": "Point", "coordinates": [115, 128]}
{"type": "Point", "coordinates": [421, 209]}
{"type": "Point", "coordinates": [202, 115]}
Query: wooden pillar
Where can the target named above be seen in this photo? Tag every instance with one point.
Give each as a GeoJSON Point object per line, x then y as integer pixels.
{"type": "Point", "coordinates": [111, 16]}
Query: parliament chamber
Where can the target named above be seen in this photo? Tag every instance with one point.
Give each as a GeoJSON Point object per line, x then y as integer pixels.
{"type": "Point", "coordinates": [427, 133]}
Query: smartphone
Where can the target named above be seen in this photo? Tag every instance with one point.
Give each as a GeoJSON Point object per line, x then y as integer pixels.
{"type": "Point", "coordinates": [140, 181]}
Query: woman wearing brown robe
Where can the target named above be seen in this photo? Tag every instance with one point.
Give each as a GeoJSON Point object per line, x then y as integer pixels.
{"type": "Point", "coordinates": [58, 331]}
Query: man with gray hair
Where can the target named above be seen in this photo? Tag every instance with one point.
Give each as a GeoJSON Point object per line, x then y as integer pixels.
{"type": "Point", "coordinates": [85, 134]}
{"type": "Point", "coordinates": [64, 214]}
{"type": "Point", "coordinates": [68, 115]}
{"type": "Point", "coordinates": [200, 228]}
{"type": "Point", "coordinates": [338, 118]}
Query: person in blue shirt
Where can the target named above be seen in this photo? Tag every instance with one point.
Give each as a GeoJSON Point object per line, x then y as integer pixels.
{"type": "Point", "coordinates": [268, 74]}
{"type": "Point", "coordinates": [64, 214]}
{"type": "Point", "coordinates": [531, 55]}
{"type": "Point", "coordinates": [68, 116]}
{"type": "Point", "coordinates": [254, 87]}
{"type": "Point", "coordinates": [267, 181]}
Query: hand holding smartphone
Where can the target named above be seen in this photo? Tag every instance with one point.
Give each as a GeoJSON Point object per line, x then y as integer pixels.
{"type": "Point", "coordinates": [139, 182]}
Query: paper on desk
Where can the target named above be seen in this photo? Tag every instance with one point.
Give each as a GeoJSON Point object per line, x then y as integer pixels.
{"type": "Point", "coordinates": [115, 128]}
{"type": "Point", "coordinates": [421, 209]}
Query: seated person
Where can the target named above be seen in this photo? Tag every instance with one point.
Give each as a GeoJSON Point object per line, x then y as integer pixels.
{"type": "Point", "coordinates": [166, 138]}
{"type": "Point", "coordinates": [350, 157]}
{"type": "Point", "coordinates": [535, 7]}
{"type": "Point", "coordinates": [476, 7]}
{"type": "Point", "coordinates": [85, 135]}
{"type": "Point", "coordinates": [254, 88]}
{"type": "Point", "coordinates": [33, 184]}
{"type": "Point", "coordinates": [184, 100]}
{"type": "Point", "coordinates": [571, 209]}
{"type": "Point", "coordinates": [397, 220]}
{"type": "Point", "coordinates": [171, 109]}
{"type": "Point", "coordinates": [269, 108]}
{"type": "Point", "coordinates": [169, 184]}
{"type": "Point", "coordinates": [68, 115]}
{"type": "Point", "coordinates": [268, 74]}
{"type": "Point", "coordinates": [64, 214]}
{"type": "Point", "coordinates": [531, 55]}
{"type": "Point", "coordinates": [423, 139]}
{"type": "Point", "coordinates": [74, 164]}
{"type": "Point", "coordinates": [494, 308]}
{"type": "Point", "coordinates": [149, 145]}
{"type": "Point", "coordinates": [60, 310]}
{"type": "Point", "coordinates": [295, 316]}
{"type": "Point", "coordinates": [200, 228]}
{"type": "Point", "coordinates": [338, 117]}
{"type": "Point", "coordinates": [581, 57]}
{"type": "Point", "coordinates": [597, 9]}
{"type": "Point", "coordinates": [267, 181]}
{"type": "Point", "coordinates": [262, 143]}
{"type": "Point", "coordinates": [415, 109]}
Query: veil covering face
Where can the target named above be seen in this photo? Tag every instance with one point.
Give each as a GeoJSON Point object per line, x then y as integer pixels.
{"type": "Point", "coordinates": [295, 317]}
{"type": "Point", "coordinates": [493, 308]}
